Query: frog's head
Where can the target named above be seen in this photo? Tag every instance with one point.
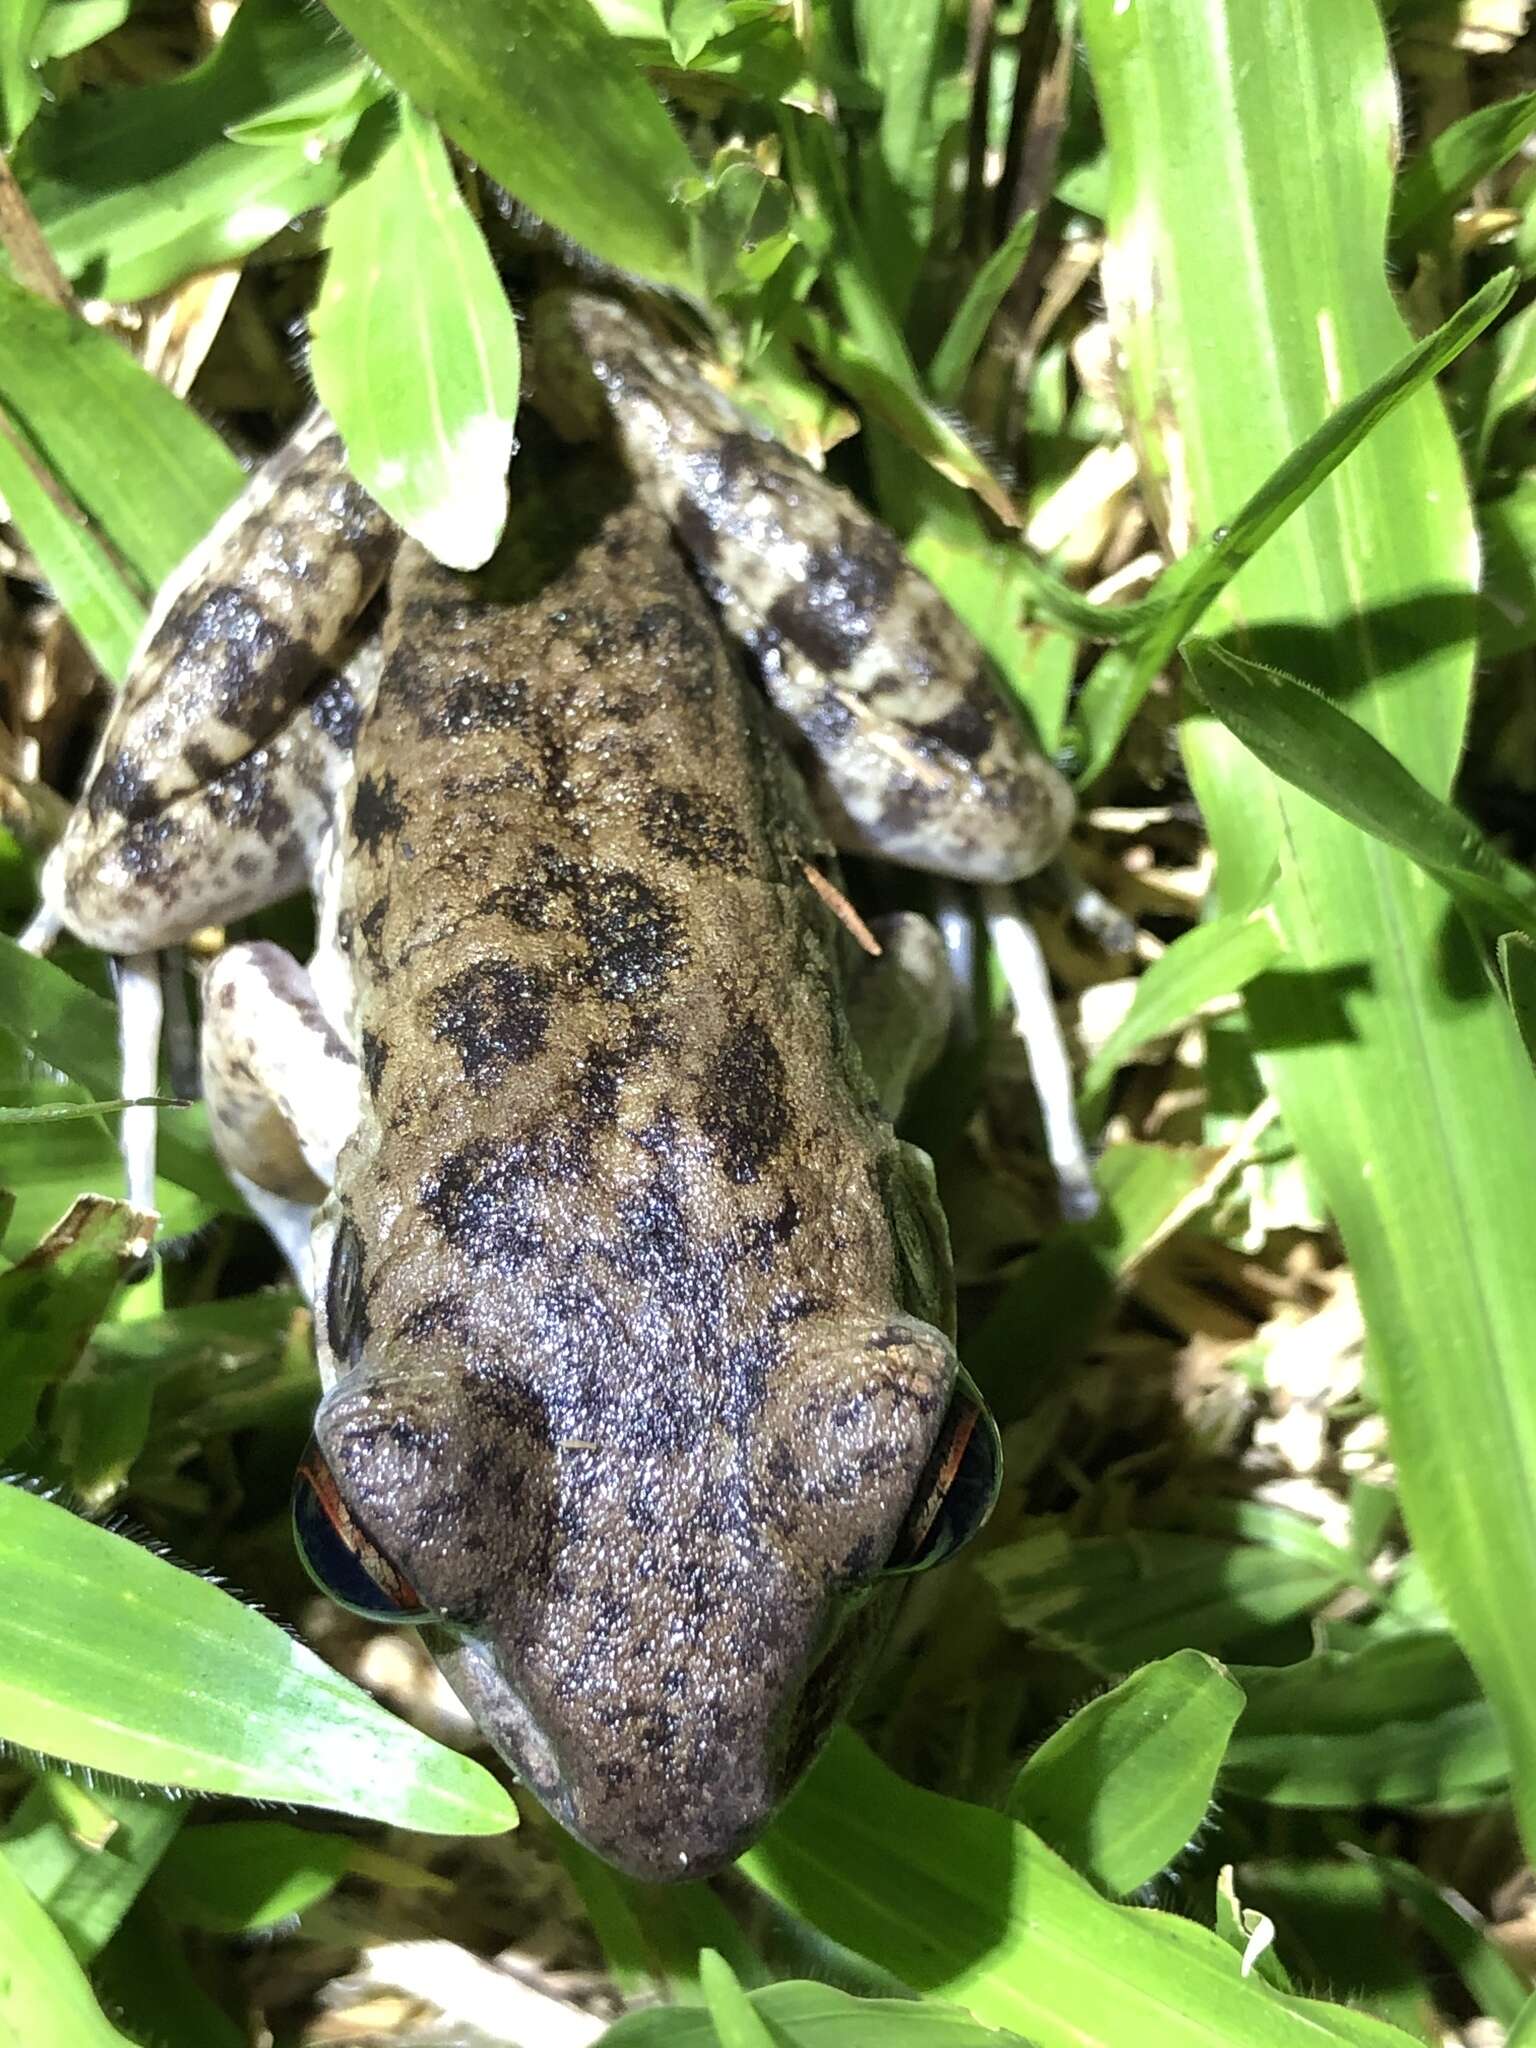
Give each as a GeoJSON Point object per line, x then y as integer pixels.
{"type": "Point", "coordinates": [654, 1597]}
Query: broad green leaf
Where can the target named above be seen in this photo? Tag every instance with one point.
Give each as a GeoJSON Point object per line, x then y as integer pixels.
{"type": "Point", "coordinates": [1245, 311]}
{"type": "Point", "coordinates": [425, 394]}
{"type": "Point", "coordinates": [1121, 1788]}
{"type": "Point", "coordinates": [1441, 177]}
{"type": "Point", "coordinates": [50, 1016]}
{"type": "Point", "coordinates": [43, 1993]}
{"type": "Point", "coordinates": [1517, 965]}
{"type": "Point", "coordinates": [152, 477]}
{"type": "Point", "coordinates": [1523, 2033]}
{"type": "Point", "coordinates": [952, 359]}
{"type": "Point", "coordinates": [1187, 589]}
{"type": "Point", "coordinates": [50, 1302]}
{"type": "Point", "coordinates": [238, 1876]}
{"type": "Point", "coordinates": [88, 1884]}
{"type": "Point", "coordinates": [1401, 1722]}
{"type": "Point", "coordinates": [1214, 960]}
{"type": "Point", "coordinates": [138, 187]}
{"type": "Point", "coordinates": [1301, 736]}
{"type": "Point", "coordinates": [964, 1903]}
{"type": "Point", "coordinates": [1461, 1933]}
{"type": "Point", "coordinates": [813, 2016]}
{"type": "Point", "coordinates": [1115, 1601]}
{"type": "Point", "coordinates": [112, 1658]}
{"type": "Point", "coordinates": [549, 104]}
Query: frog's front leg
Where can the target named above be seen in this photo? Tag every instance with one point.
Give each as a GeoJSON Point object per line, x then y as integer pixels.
{"type": "Point", "coordinates": [282, 1089]}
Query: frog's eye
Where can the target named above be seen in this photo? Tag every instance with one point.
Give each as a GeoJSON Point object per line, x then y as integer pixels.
{"type": "Point", "coordinates": [339, 1556]}
{"type": "Point", "coordinates": [959, 1486]}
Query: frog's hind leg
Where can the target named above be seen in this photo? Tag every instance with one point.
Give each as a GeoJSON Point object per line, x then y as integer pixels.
{"type": "Point", "coordinates": [281, 1087]}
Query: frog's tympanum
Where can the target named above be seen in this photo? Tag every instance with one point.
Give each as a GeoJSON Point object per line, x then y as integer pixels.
{"type": "Point", "coordinates": [634, 1314]}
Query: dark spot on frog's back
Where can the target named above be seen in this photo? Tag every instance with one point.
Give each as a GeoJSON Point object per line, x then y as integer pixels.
{"type": "Point", "coordinates": [488, 1200]}
{"type": "Point", "coordinates": [252, 667]}
{"type": "Point", "coordinates": [335, 711]}
{"type": "Point", "coordinates": [744, 1105]}
{"type": "Point", "coordinates": [693, 827]}
{"type": "Point", "coordinates": [375, 1059]}
{"type": "Point", "coordinates": [633, 933]}
{"type": "Point", "coordinates": [120, 788]}
{"type": "Point", "coordinates": [495, 1015]}
{"type": "Point", "coordinates": [377, 813]}
{"type": "Point", "coordinates": [966, 730]}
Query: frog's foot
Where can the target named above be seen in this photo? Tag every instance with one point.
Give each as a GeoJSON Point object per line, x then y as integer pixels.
{"type": "Point", "coordinates": [900, 1005]}
{"type": "Point", "coordinates": [281, 1086]}
{"type": "Point", "coordinates": [1029, 986]}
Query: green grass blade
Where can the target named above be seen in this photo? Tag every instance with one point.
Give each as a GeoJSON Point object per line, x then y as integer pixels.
{"type": "Point", "coordinates": [419, 363]}
{"type": "Point", "coordinates": [1186, 590]}
{"type": "Point", "coordinates": [1462, 1935]}
{"type": "Point", "coordinates": [1213, 960]}
{"type": "Point", "coordinates": [964, 1903]}
{"type": "Point", "coordinates": [1248, 307]}
{"type": "Point", "coordinates": [1441, 177]}
{"type": "Point", "coordinates": [150, 474]}
{"type": "Point", "coordinates": [50, 1302]}
{"type": "Point", "coordinates": [551, 106]}
{"type": "Point", "coordinates": [112, 1658]}
{"type": "Point", "coordinates": [1302, 737]}
{"type": "Point", "coordinates": [813, 2016]}
{"type": "Point", "coordinates": [43, 1993]}
{"type": "Point", "coordinates": [1517, 964]}
{"type": "Point", "coordinates": [956, 352]}
{"type": "Point", "coordinates": [1121, 1787]}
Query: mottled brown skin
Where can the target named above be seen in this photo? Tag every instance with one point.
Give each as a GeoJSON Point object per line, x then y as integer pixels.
{"type": "Point", "coordinates": [635, 1303]}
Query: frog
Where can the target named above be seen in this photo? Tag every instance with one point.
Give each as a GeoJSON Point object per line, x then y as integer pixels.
{"type": "Point", "coordinates": [634, 1315]}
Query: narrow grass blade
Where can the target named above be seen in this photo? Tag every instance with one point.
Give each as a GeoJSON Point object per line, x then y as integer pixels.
{"type": "Point", "coordinates": [1247, 308]}
{"type": "Point", "coordinates": [551, 105]}
{"type": "Point", "coordinates": [966, 1904]}
{"type": "Point", "coordinates": [424, 393]}
{"type": "Point", "coordinates": [1121, 1787]}
{"type": "Point", "coordinates": [1185, 591]}
{"type": "Point", "coordinates": [240, 1876]}
{"type": "Point", "coordinates": [112, 1658]}
{"type": "Point", "coordinates": [142, 464]}
{"type": "Point", "coordinates": [21, 89]}
{"type": "Point", "coordinates": [1462, 1935]}
{"type": "Point", "coordinates": [953, 357]}
{"type": "Point", "coordinates": [1301, 736]}
{"type": "Point", "coordinates": [1517, 964]}
{"type": "Point", "coordinates": [105, 606]}
{"type": "Point", "coordinates": [43, 1992]}
{"type": "Point", "coordinates": [736, 2023]}
{"type": "Point", "coordinates": [1213, 960]}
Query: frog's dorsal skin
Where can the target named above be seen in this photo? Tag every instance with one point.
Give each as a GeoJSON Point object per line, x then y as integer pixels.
{"type": "Point", "coordinates": [635, 1317]}
{"type": "Point", "coordinates": [634, 1387]}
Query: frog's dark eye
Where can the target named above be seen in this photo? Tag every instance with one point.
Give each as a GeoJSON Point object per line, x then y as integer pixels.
{"type": "Point", "coordinates": [959, 1486]}
{"type": "Point", "coordinates": [338, 1554]}
{"type": "Point", "coordinates": [345, 1313]}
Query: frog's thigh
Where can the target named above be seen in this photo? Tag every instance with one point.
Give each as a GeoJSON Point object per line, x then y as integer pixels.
{"type": "Point", "coordinates": [900, 1005]}
{"type": "Point", "coordinates": [282, 1088]}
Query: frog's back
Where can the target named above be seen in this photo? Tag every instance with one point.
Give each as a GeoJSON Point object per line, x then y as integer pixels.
{"type": "Point", "coordinates": [641, 1386]}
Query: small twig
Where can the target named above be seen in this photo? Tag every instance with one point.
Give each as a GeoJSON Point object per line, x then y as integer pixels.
{"type": "Point", "coordinates": [33, 261]}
